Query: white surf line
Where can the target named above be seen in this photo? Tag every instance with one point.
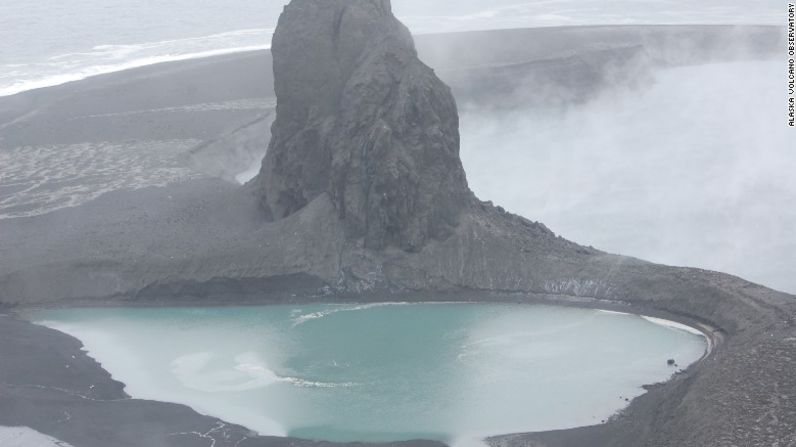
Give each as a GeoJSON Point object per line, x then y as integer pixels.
{"type": "Point", "coordinates": [96, 70]}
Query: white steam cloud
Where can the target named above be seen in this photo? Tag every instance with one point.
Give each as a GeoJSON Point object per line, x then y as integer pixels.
{"type": "Point", "coordinates": [694, 169]}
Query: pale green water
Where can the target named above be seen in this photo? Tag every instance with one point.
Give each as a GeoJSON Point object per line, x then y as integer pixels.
{"type": "Point", "coordinates": [453, 372]}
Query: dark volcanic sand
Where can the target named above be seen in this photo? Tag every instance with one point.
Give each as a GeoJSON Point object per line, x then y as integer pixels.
{"type": "Point", "coordinates": [134, 247]}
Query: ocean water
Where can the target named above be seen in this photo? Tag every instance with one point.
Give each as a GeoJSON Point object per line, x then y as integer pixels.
{"type": "Point", "coordinates": [382, 372]}
{"type": "Point", "coordinates": [49, 42]}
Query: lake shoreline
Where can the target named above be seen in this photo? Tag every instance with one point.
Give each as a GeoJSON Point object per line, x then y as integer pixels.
{"type": "Point", "coordinates": [283, 320]}
{"type": "Point", "coordinates": [92, 371]}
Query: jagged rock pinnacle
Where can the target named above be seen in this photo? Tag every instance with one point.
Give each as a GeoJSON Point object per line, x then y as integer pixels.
{"type": "Point", "coordinates": [362, 119]}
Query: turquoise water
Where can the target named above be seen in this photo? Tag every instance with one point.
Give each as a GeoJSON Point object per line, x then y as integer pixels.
{"type": "Point", "coordinates": [452, 372]}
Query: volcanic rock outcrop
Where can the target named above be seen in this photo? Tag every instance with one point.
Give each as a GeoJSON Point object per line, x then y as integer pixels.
{"type": "Point", "coordinates": [362, 119]}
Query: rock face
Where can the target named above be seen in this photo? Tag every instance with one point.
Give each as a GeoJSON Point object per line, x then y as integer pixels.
{"type": "Point", "coordinates": [362, 119]}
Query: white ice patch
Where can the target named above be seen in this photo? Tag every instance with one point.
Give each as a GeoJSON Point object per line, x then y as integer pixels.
{"type": "Point", "coordinates": [469, 441]}
{"type": "Point", "coordinates": [27, 437]}
{"type": "Point", "coordinates": [674, 325]}
{"type": "Point", "coordinates": [660, 321]}
{"type": "Point", "coordinates": [38, 180]}
{"type": "Point", "coordinates": [612, 312]}
{"type": "Point", "coordinates": [250, 172]}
